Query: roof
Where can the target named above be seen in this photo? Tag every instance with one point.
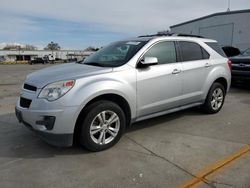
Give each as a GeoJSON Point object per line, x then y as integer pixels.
{"type": "Point", "coordinates": [174, 36]}
{"type": "Point", "coordinates": [212, 15]}
{"type": "Point", "coordinates": [179, 38]}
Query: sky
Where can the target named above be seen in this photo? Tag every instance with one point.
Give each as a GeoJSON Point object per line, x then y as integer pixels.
{"type": "Point", "coordinates": [77, 24]}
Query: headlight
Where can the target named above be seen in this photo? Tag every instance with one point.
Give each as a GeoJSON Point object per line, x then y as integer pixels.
{"type": "Point", "coordinates": [56, 90]}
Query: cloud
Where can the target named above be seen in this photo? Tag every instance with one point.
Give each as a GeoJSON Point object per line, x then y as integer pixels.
{"type": "Point", "coordinates": [15, 26]}
{"type": "Point", "coordinates": [121, 16]}
{"type": "Point", "coordinates": [101, 18]}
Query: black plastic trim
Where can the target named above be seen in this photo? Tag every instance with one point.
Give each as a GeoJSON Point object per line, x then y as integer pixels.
{"type": "Point", "coordinates": [25, 103]}
{"type": "Point", "coordinates": [29, 87]}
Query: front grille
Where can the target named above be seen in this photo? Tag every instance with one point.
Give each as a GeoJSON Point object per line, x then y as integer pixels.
{"type": "Point", "coordinates": [25, 103]}
{"type": "Point", "coordinates": [29, 87]}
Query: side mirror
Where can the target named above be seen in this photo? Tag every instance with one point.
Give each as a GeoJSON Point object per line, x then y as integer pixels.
{"type": "Point", "coordinates": [149, 61]}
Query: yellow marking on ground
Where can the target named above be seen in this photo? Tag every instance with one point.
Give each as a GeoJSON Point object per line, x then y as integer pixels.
{"type": "Point", "coordinates": [13, 62]}
{"type": "Point", "coordinates": [200, 177]}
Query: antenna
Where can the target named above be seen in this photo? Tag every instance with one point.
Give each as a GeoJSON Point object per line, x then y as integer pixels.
{"type": "Point", "coordinates": [228, 5]}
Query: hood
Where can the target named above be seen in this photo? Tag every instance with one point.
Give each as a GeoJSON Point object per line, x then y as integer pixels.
{"type": "Point", "coordinates": [67, 71]}
{"type": "Point", "coordinates": [240, 59]}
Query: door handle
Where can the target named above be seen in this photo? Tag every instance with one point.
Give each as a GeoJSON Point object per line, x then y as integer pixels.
{"type": "Point", "coordinates": [176, 71]}
{"type": "Point", "coordinates": [208, 65]}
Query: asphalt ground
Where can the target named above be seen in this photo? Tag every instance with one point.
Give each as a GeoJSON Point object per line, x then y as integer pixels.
{"type": "Point", "coordinates": [183, 149]}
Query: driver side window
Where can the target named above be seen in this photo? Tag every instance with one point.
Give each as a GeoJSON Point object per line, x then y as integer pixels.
{"type": "Point", "coordinates": [163, 51]}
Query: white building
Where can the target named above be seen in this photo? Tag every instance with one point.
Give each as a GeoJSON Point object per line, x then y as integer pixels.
{"type": "Point", "coordinates": [230, 28]}
{"type": "Point", "coordinates": [26, 55]}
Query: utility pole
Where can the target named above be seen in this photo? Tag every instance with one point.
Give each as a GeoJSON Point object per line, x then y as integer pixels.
{"type": "Point", "coordinates": [228, 5]}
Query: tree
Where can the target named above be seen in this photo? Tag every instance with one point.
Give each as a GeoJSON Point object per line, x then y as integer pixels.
{"type": "Point", "coordinates": [29, 47]}
{"type": "Point", "coordinates": [12, 47]}
{"type": "Point", "coordinates": [52, 46]}
{"type": "Point", "coordinates": [91, 48]}
{"type": "Point", "coordinates": [19, 47]}
{"type": "Point", "coordinates": [8, 47]}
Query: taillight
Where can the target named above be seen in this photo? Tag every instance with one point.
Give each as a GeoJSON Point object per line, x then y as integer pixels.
{"type": "Point", "coordinates": [229, 62]}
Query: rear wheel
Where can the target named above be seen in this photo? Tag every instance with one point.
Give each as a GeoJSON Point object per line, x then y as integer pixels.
{"type": "Point", "coordinates": [103, 125]}
{"type": "Point", "coordinates": [215, 98]}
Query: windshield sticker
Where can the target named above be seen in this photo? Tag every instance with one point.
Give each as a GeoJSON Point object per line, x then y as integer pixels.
{"type": "Point", "coordinates": [133, 43]}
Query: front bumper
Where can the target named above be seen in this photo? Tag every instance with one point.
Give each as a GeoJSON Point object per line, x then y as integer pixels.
{"type": "Point", "coordinates": [61, 130]}
{"type": "Point", "coordinates": [59, 140]}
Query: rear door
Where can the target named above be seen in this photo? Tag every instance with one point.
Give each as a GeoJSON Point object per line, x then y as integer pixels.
{"type": "Point", "coordinates": [195, 69]}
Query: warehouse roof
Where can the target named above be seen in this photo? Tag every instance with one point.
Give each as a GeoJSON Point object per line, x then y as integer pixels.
{"type": "Point", "coordinates": [212, 15]}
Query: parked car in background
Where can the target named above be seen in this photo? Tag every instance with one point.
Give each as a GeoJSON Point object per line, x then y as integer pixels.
{"type": "Point", "coordinates": [231, 51]}
{"type": "Point", "coordinates": [51, 58]}
{"type": "Point", "coordinates": [38, 60]}
{"type": "Point", "coordinates": [2, 59]}
{"type": "Point", "coordinates": [241, 66]}
{"type": "Point", "coordinates": [123, 83]}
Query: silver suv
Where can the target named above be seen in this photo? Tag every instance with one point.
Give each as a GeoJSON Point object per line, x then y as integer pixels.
{"type": "Point", "coordinates": [124, 82]}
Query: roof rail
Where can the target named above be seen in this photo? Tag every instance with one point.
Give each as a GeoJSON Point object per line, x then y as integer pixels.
{"type": "Point", "coordinates": [171, 34]}
{"type": "Point", "coordinates": [156, 35]}
{"type": "Point", "coordinates": [187, 35]}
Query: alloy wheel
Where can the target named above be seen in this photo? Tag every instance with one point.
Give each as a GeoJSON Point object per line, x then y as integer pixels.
{"type": "Point", "coordinates": [104, 127]}
{"type": "Point", "coordinates": [217, 99]}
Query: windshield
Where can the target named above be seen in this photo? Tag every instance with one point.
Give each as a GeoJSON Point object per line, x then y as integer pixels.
{"type": "Point", "coordinates": [246, 52]}
{"type": "Point", "coordinates": [115, 54]}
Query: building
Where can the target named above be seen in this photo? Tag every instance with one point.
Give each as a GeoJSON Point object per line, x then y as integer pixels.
{"type": "Point", "coordinates": [26, 55]}
{"type": "Point", "coordinates": [231, 28]}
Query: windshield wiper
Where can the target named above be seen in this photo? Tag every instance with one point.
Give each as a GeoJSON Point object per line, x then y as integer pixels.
{"type": "Point", "coordinates": [79, 62]}
{"type": "Point", "coordinates": [94, 64]}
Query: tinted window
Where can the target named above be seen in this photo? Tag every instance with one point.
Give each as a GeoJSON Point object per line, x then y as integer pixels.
{"type": "Point", "coordinates": [216, 47]}
{"type": "Point", "coordinates": [191, 51]}
{"type": "Point", "coordinates": [205, 54]}
{"type": "Point", "coordinates": [164, 51]}
{"type": "Point", "coordinates": [230, 51]}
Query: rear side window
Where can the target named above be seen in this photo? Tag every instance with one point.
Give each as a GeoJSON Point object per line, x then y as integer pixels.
{"type": "Point", "coordinates": [164, 51]}
{"type": "Point", "coordinates": [192, 51]}
{"type": "Point", "coordinates": [216, 47]}
{"type": "Point", "coordinates": [205, 54]}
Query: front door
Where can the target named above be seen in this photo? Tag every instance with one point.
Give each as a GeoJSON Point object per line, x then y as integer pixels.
{"type": "Point", "coordinates": [159, 86]}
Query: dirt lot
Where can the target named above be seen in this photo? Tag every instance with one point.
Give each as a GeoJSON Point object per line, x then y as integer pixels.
{"type": "Point", "coordinates": [182, 149]}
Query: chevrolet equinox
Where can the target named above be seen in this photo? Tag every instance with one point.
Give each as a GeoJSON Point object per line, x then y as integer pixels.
{"type": "Point", "coordinates": [123, 83]}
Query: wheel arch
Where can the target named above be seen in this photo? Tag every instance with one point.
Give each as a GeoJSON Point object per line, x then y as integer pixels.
{"type": "Point", "coordinates": [223, 82]}
{"type": "Point", "coordinates": [118, 99]}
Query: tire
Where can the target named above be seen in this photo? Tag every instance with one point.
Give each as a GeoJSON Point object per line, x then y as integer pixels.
{"type": "Point", "coordinates": [96, 124]}
{"type": "Point", "coordinates": [215, 99]}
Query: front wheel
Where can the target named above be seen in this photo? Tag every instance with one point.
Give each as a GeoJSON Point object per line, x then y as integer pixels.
{"type": "Point", "coordinates": [103, 125]}
{"type": "Point", "coordinates": [215, 98]}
